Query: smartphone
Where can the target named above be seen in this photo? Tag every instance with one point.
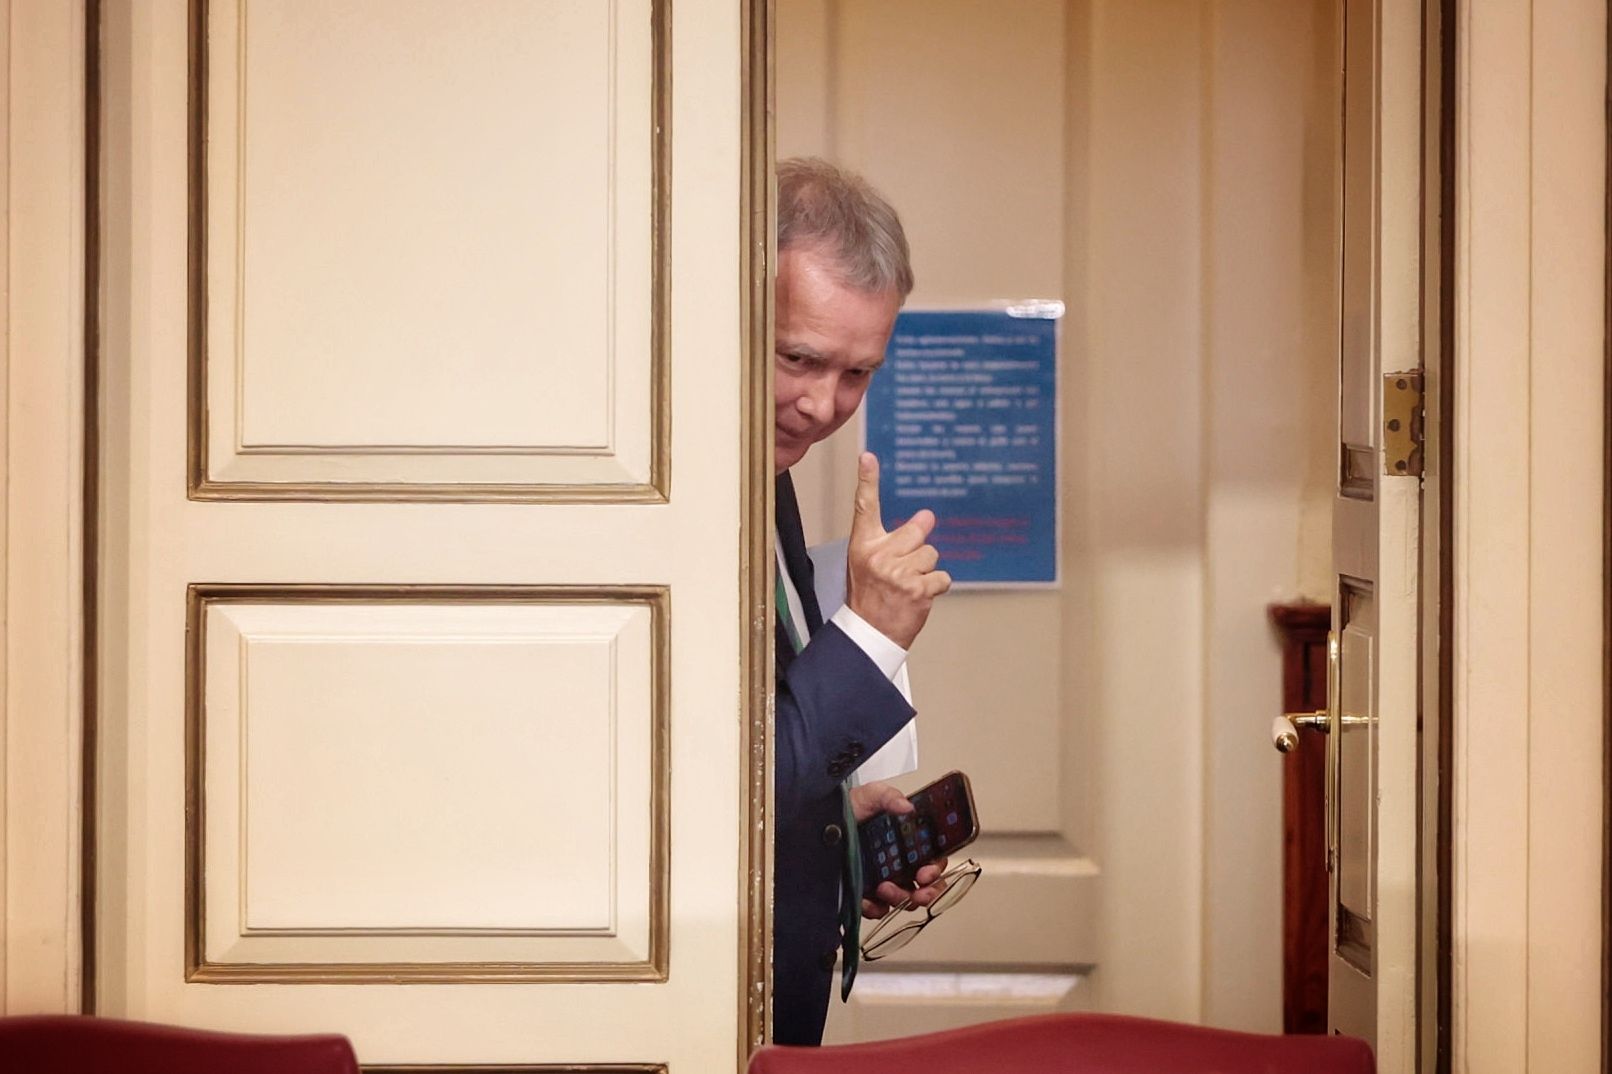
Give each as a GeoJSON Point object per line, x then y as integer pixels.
{"type": "Point", "coordinates": [942, 821]}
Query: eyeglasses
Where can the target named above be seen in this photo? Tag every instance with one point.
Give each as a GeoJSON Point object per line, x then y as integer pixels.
{"type": "Point", "coordinates": [902, 924]}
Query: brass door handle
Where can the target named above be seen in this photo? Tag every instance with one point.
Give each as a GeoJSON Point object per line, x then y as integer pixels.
{"type": "Point", "coordinates": [1286, 727]}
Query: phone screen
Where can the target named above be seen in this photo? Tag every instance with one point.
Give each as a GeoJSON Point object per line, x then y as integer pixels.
{"type": "Point", "coordinates": [895, 848]}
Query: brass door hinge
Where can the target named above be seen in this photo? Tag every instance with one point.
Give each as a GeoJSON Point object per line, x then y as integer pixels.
{"type": "Point", "coordinates": [1402, 424]}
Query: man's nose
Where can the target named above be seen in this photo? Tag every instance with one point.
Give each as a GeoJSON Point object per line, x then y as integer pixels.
{"type": "Point", "coordinates": [817, 401]}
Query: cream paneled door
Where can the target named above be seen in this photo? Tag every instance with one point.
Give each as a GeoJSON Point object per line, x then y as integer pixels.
{"type": "Point", "coordinates": [1372, 780]}
{"type": "Point", "coordinates": [418, 656]}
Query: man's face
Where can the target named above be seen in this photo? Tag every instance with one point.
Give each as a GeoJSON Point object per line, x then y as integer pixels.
{"type": "Point", "coordinates": [829, 340]}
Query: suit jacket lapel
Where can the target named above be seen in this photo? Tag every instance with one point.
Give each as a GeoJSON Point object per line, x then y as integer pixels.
{"type": "Point", "coordinates": [792, 541]}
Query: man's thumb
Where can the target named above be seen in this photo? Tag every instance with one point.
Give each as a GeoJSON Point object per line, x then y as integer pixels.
{"type": "Point", "coordinates": [866, 521]}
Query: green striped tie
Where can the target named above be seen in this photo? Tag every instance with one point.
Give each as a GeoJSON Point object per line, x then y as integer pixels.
{"type": "Point", "coordinates": [782, 597]}
{"type": "Point", "coordinates": [851, 893]}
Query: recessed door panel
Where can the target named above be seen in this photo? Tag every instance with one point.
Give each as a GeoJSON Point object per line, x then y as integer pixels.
{"type": "Point", "coordinates": [1356, 780]}
{"type": "Point", "coordinates": [427, 248]}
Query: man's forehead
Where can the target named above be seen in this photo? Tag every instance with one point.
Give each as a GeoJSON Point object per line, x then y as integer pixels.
{"type": "Point", "coordinates": [811, 292]}
{"type": "Point", "coordinates": [815, 268]}
{"type": "Point", "coordinates": [829, 340]}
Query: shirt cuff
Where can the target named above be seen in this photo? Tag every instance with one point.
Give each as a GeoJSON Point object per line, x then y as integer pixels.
{"type": "Point", "coordinates": [885, 654]}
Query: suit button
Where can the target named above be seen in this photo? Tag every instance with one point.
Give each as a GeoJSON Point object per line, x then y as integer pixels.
{"type": "Point", "coordinates": [832, 835]}
{"type": "Point", "coordinates": [828, 959]}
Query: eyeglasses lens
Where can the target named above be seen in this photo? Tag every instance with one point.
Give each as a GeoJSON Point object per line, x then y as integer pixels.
{"type": "Point", "coordinates": [900, 927]}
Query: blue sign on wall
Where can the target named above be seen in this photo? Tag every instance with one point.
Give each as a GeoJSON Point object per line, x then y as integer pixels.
{"type": "Point", "coordinates": [963, 417]}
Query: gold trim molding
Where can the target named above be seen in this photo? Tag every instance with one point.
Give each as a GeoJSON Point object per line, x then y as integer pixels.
{"type": "Point", "coordinates": [756, 209]}
{"type": "Point", "coordinates": [198, 418]}
{"type": "Point", "coordinates": [200, 597]}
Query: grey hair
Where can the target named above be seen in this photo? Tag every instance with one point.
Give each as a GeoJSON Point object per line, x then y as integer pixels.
{"type": "Point", "coordinates": [825, 206]}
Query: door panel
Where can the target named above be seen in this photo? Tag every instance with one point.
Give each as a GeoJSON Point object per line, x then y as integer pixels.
{"type": "Point", "coordinates": [343, 828]}
{"type": "Point", "coordinates": [1376, 542]}
{"type": "Point", "coordinates": [509, 283]}
{"type": "Point", "coordinates": [409, 760]}
{"type": "Point", "coordinates": [1357, 768]}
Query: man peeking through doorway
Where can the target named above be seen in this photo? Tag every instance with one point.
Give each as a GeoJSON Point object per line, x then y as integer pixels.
{"type": "Point", "coordinates": [843, 273]}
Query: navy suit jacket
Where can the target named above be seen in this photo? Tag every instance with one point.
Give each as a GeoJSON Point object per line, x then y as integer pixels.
{"type": "Point", "coordinates": [834, 708]}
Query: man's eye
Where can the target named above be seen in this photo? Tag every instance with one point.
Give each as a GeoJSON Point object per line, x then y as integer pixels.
{"type": "Point", "coordinates": [859, 374]}
{"type": "Point", "coordinates": [792, 359]}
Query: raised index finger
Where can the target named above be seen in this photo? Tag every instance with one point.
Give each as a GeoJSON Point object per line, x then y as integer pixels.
{"type": "Point", "coordinates": [866, 521]}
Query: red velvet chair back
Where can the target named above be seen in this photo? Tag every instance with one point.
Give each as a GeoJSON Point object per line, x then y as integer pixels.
{"type": "Point", "coordinates": [74, 1044]}
{"type": "Point", "coordinates": [1078, 1044]}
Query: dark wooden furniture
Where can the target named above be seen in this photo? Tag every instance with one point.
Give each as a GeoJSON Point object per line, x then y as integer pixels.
{"type": "Point", "coordinates": [1303, 630]}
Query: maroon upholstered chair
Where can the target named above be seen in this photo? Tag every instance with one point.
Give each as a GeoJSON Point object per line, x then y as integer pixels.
{"type": "Point", "coordinates": [76, 1044]}
{"type": "Point", "coordinates": [1078, 1044]}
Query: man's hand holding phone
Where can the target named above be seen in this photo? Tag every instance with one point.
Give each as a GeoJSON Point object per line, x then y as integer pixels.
{"type": "Point", "coordinates": [869, 801]}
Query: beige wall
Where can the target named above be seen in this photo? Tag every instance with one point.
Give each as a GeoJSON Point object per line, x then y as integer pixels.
{"type": "Point", "coordinates": [1270, 308]}
{"type": "Point", "coordinates": [1167, 170]}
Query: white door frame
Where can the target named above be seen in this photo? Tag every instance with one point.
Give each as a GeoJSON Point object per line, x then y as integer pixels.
{"type": "Point", "coordinates": [41, 747]}
{"type": "Point", "coordinates": [1527, 436]}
